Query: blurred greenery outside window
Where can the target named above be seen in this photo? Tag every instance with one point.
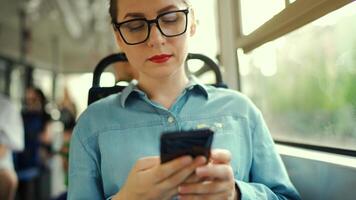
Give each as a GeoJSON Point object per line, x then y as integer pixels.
{"type": "Point", "coordinates": [305, 82]}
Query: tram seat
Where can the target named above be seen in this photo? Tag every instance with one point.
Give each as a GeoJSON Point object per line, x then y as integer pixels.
{"type": "Point", "coordinates": [97, 92]}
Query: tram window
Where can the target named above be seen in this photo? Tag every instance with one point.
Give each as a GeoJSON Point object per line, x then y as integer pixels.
{"type": "Point", "coordinates": [43, 79]}
{"type": "Point", "coordinates": [79, 85]}
{"type": "Point", "coordinates": [260, 11]}
{"type": "Point", "coordinates": [305, 81]}
{"type": "Point", "coordinates": [207, 30]}
{"type": "Point", "coordinates": [205, 40]}
{"type": "Point", "coordinates": [17, 84]}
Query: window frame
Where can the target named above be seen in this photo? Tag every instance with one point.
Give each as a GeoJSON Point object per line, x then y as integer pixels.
{"type": "Point", "coordinates": [294, 16]}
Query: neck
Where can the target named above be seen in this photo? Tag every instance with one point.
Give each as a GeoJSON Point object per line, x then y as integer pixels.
{"type": "Point", "coordinates": [165, 90]}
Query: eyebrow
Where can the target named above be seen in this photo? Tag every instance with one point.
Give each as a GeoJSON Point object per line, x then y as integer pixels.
{"type": "Point", "coordinates": [136, 14]}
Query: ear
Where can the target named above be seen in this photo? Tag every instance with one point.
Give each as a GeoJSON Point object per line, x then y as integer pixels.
{"type": "Point", "coordinates": [193, 28]}
{"type": "Point", "coordinates": [193, 25]}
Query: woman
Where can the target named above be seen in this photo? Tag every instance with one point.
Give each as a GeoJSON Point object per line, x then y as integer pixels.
{"type": "Point", "coordinates": [116, 141]}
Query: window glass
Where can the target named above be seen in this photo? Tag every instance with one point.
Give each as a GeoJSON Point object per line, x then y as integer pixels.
{"type": "Point", "coordinates": [78, 86]}
{"type": "Point", "coordinates": [17, 84]}
{"type": "Point", "coordinates": [43, 80]}
{"type": "Point", "coordinates": [205, 40]}
{"type": "Point", "coordinates": [305, 82]}
{"type": "Point", "coordinates": [260, 11]}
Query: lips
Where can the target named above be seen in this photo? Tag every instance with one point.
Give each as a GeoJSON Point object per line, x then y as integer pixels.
{"type": "Point", "coordinates": [162, 58]}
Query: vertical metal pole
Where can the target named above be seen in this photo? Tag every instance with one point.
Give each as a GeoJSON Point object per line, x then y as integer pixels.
{"type": "Point", "coordinates": [25, 35]}
{"type": "Point", "coordinates": [22, 15]}
{"type": "Point", "coordinates": [55, 65]}
{"type": "Point", "coordinates": [227, 32]}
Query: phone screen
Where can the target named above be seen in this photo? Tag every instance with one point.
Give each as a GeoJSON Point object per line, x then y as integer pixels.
{"type": "Point", "coordinates": [180, 143]}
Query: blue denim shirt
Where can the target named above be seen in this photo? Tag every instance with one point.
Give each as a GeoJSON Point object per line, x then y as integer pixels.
{"type": "Point", "coordinates": [118, 130]}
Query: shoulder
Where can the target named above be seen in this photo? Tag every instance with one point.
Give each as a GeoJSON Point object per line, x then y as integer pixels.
{"type": "Point", "coordinates": [229, 97]}
{"type": "Point", "coordinates": [228, 102]}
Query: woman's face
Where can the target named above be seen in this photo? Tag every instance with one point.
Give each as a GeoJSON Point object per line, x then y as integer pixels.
{"type": "Point", "coordinates": [159, 57]}
{"type": "Point", "coordinates": [32, 100]}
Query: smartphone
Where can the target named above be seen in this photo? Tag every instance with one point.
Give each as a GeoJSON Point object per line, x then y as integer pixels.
{"type": "Point", "coordinates": [180, 143]}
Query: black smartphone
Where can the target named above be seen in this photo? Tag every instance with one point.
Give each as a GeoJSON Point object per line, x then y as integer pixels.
{"type": "Point", "coordinates": [179, 143]}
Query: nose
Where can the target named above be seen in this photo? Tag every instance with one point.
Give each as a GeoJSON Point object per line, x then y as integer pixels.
{"type": "Point", "coordinates": [156, 38]}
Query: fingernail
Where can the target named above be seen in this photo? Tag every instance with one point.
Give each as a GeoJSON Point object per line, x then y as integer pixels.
{"type": "Point", "coordinates": [203, 159]}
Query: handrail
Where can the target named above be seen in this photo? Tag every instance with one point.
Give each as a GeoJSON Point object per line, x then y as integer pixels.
{"type": "Point", "coordinates": [333, 150]}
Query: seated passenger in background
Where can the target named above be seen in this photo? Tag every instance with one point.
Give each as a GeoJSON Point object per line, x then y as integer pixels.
{"type": "Point", "coordinates": [11, 139]}
{"type": "Point", "coordinates": [115, 145]}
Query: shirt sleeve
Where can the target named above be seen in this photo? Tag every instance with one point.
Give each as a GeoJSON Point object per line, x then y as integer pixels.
{"type": "Point", "coordinates": [84, 179]}
{"type": "Point", "coordinates": [268, 176]}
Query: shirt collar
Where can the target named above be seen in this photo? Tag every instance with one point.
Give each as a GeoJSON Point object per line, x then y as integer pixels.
{"type": "Point", "coordinates": [193, 85]}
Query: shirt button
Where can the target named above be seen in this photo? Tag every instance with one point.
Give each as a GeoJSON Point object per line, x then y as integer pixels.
{"type": "Point", "coordinates": [170, 119]}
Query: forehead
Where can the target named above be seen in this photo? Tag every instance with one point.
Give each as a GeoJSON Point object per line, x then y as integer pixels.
{"type": "Point", "coordinates": [146, 7]}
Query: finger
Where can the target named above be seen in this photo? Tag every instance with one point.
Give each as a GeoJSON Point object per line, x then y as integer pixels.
{"type": "Point", "coordinates": [146, 163]}
{"type": "Point", "coordinates": [180, 176]}
{"type": "Point", "coordinates": [170, 193]}
{"type": "Point", "coordinates": [205, 196]}
{"type": "Point", "coordinates": [165, 170]}
{"type": "Point", "coordinates": [220, 156]}
{"type": "Point", "coordinates": [207, 187]}
{"type": "Point", "coordinates": [221, 171]}
{"type": "Point", "coordinates": [193, 179]}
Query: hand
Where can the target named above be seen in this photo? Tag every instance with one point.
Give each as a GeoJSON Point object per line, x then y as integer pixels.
{"type": "Point", "coordinates": [3, 150]}
{"type": "Point", "coordinates": [149, 179]}
{"type": "Point", "coordinates": [212, 181]}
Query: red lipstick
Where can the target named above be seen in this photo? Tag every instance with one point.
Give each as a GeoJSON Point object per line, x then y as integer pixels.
{"type": "Point", "coordinates": [162, 58]}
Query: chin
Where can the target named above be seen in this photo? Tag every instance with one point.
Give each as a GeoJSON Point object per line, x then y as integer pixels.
{"type": "Point", "coordinates": [163, 73]}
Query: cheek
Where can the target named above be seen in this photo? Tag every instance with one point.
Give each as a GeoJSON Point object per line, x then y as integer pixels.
{"type": "Point", "coordinates": [181, 46]}
{"type": "Point", "coordinates": [134, 57]}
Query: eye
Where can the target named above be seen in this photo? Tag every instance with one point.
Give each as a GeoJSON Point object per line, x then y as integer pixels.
{"type": "Point", "coordinates": [170, 17]}
{"type": "Point", "coordinates": [135, 26]}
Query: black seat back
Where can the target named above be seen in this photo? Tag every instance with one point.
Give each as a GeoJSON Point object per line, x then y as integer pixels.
{"type": "Point", "coordinates": [96, 92]}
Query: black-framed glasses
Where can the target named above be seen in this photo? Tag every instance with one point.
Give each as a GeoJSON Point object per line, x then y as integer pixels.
{"type": "Point", "coordinates": [170, 24]}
